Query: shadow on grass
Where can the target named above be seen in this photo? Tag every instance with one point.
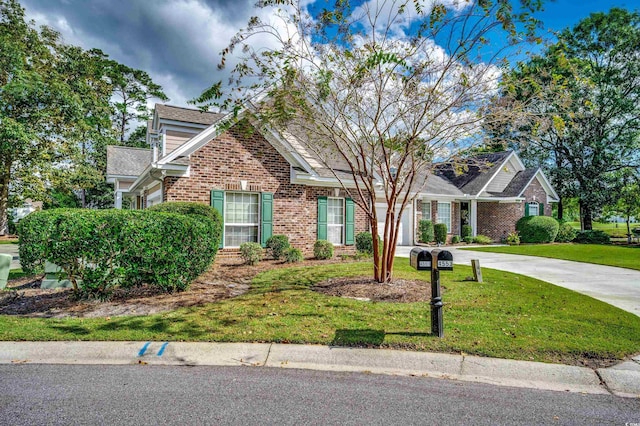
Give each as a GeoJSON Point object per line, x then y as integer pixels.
{"type": "Point", "coordinates": [368, 337]}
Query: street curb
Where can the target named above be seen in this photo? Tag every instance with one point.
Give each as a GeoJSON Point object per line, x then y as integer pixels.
{"type": "Point", "coordinates": [621, 380]}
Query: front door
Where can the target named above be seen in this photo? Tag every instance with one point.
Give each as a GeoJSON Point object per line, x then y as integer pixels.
{"type": "Point", "coordinates": [464, 214]}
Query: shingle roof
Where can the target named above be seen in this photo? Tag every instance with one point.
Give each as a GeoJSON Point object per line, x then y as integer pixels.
{"type": "Point", "coordinates": [517, 184]}
{"type": "Point", "coordinates": [127, 161]}
{"type": "Point", "coordinates": [472, 174]}
{"type": "Point", "coordinates": [187, 115]}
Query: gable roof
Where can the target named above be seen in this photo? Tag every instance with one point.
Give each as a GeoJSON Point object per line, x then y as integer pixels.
{"type": "Point", "coordinates": [186, 115]}
{"type": "Point", "coordinates": [127, 161]}
{"type": "Point", "coordinates": [518, 184]}
{"type": "Point", "coordinates": [472, 175]}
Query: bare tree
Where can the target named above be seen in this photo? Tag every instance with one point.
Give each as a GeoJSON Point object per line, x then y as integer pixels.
{"type": "Point", "coordinates": [383, 88]}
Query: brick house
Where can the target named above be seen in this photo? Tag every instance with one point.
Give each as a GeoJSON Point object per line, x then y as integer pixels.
{"type": "Point", "coordinates": [266, 183]}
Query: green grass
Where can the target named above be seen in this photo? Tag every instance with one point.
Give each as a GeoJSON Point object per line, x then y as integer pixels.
{"type": "Point", "coordinates": [16, 273]}
{"type": "Point", "coordinates": [9, 242]}
{"type": "Point", "coordinates": [507, 316]}
{"type": "Point", "coordinates": [621, 256]}
{"type": "Point", "coordinates": [615, 230]}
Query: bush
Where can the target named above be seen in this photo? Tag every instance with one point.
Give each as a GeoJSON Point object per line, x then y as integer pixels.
{"type": "Point", "coordinates": [192, 209]}
{"type": "Point", "coordinates": [440, 233]}
{"type": "Point", "coordinates": [513, 239]}
{"type": "Point", "coordinates": [537, 229]}
{"type": "Point", "coordinates": [323, 249]}
{"type": "Point", "coordinates": [592, 237]}
{"type": "Point", "coordinates": [566, 233]}
{"type": "Point", "coordinates": [364, 243]}
{"type": "Point", "coordinates": [468, 239]}
{"type": "Point", "coordinates": [11, 225]}
{"type": "Point", "coordinates": [251, 253]}
{"type": "Point", "coordinates": [99, 250]}
{"type": "Point", "coordinates": [482, 239]}
{"type": "Point", "coordinates": [455, 239]}
{"type": "Point", "coordinates": [293, 255]}
{"type": "Point", "coordinates": [425, 231]}
{"type": "Point", "coordinates": [466, 231]}
{"type": "Point", "coordinates": [277, 245]}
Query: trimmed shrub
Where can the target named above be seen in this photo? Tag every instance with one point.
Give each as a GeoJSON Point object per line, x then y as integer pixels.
{"type": "Point", "coordinates": [293, 255]}
{"type": "Point", "coordinates": [192, 209]}
{"type": "Point", "coordinates": [455, 239]}
{"type": "Point", "coordinates": [277, 245]}
{"type": "Point", "coordinates": [251, 253]}
{"type": "Point", "coordinates": [440, 233]}
{"type": "Point", "coordinates": [466, 231]}
{"type": "Point", "coordinates": [323, 249]}
{"type": "Point", "coordinates": [425, 231]}
{"type": "Point", "coordinates": [99, 250]}
{"type": "Point", "coordinates": [33, 234]}
{"type": "Point", "coordinates": [592, 237]}
{"type": "Point", "coordinates": [566, 233]}
{"type": "Point", "coordinates": [537, 229]}
{"type": "Point", "coordinates": [468, 239]}
{"type": "Point", "coordinates": [513, 239]}
{"type": "Point", "coordinates": [364, 243]}
{"type": "Point", "coordinates": [482, 239]}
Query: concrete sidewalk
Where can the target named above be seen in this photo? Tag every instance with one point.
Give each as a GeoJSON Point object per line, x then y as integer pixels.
{"type": "Point", "coordinates": [619, 287]}
{"type": "Point", "coordinates": [621, 380]}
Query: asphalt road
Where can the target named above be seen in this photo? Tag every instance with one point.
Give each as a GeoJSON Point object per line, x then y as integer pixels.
{"type": "Point", "coordinates": [145, 395]}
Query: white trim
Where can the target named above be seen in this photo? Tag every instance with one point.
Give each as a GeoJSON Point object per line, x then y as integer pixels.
{"type": "Point", "coordinates": [546, 185]}
{"type": "Point", "coordinates": [341, 225]}
{"type": "Point", "coordinates": [225, 224]}
{"type": "Point", "coordinates": [180, 126]}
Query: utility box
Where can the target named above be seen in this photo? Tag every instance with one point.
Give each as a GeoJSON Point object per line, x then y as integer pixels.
{"type": "Point", "coordinates": [5, 265]}
{"type": "Point", "coordinates": [420, 259]}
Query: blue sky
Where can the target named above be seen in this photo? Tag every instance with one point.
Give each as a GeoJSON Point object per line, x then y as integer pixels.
{"type": "Point", "coordinates": [177, 41]}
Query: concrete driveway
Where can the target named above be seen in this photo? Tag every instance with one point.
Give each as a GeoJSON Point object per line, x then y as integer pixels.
{"type": "Point", "coordinates": [616, 286]}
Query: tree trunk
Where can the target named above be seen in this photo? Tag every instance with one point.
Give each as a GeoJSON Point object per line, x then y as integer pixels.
{"type": "Point", "coordinates": [586, 220]}
{"type": "Point", "coordinates": [4, 201]}
{"type": "Point", "coordinates": [560, 210]}
{"type": "Point", "coordinates": [628, 229]}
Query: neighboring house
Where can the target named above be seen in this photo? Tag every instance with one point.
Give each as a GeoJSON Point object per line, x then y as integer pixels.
{"type": "Point", "coordinates": [266, 183]}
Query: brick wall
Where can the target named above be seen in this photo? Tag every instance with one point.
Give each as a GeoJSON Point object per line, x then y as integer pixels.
{"type": "Point", "coordinates": [497, 220]}
{"type": "Point", "coordinates": [236, 155]}
{"type": "Point", "coordinates": [535, 192]}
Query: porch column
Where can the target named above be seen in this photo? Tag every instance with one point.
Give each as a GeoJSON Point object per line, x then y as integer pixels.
{"type": "Point", "coordinates": [473, 217]}
{"type": "Point", "coordinates": [118, 200]}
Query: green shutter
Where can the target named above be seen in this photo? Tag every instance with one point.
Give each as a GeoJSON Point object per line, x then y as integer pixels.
{"type": "Point", "coordinates": [217, 202]}
{"type": "Point", "coordinates": [266, 222]}
{"type": "Point", "coordinates": [322, 218]}
{"type": "Point", "coordinates": [526, 209]}
{"type": "Point", "coordinates": [541, 209]}
{"type": "Point", "coordinates": [349, 225]}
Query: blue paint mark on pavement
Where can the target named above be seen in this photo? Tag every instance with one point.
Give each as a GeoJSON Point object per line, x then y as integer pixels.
{"type": "Point", "coordinates": [162, 348]}
{"type": "Point", "coordinates": [144, 349]}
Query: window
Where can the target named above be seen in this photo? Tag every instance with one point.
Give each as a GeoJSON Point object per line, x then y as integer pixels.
{"type": "Point", "coordinates": [444, 214]}
{"type": "Point", "coordinates": [335, 220]}
{"type": "Point", "coordinates": [241, 218]}
{"type": "Point", "coordinates": [426, 210]}
{"type": "Point", "coordinates": [534, 209]}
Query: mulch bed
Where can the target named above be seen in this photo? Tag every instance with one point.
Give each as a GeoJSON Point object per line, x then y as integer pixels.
{"type": "Point", "coordinates": [226, 279]}
{"type": "Point", "coordinates": [365, 288]}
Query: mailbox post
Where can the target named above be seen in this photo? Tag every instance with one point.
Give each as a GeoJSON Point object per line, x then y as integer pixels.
{"type": "Point", "coordinates": [436, 261]}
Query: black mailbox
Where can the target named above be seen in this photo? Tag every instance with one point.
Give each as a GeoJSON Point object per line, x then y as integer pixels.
{"type": "Point", "coordinates": [420, 259]}
{"type": "Point", "coordinates": [444, 259]}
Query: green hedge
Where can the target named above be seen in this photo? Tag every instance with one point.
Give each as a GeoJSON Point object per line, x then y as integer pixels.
{"type": "Point", "coordinates": [566, 233]}
{"type": "Point", "coordinates": [594, 236]}
{"type": "Point", "coordinates": [425, 231]}
{"type": "Point", "coordinates": [440, 233]}
{"type": "Point", "coordinates": [466, 231]}
{"type": "Point", "coordinates": [537, 229]}
{"type": "Point", "coordinates": [323, 249]}
{"type": "Point", "coordinates": [100, 250]}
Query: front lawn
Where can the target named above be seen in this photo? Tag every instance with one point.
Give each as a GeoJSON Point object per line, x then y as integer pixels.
{"type": "Point", "coordinates": [507, 316]}
{"type": "Point", "coordinates": [614, 229]}
{"type": "Point", "coordinates": [621, 256]}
